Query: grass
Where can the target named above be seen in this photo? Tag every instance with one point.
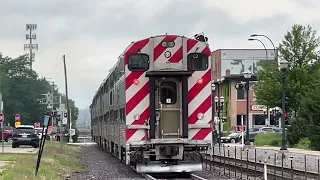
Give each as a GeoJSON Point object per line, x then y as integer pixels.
{"type": "Point", "coordinates": [268, 139]}
{"type": "Point", "coordinates": [55, 163]}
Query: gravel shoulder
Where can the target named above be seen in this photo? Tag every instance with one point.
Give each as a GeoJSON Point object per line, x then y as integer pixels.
{"type": "Point", "coordinates": [101, 165]}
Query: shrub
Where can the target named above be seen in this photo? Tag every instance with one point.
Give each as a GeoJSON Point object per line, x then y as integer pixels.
{"type": "Point", "coordinates": [296, 131]}
{"type": "Point", "coordinates": [304, 143]}
{"type": "Point", "coordinates": [269, 139]}
{"type": "Point", "coordinates": [314, 137]}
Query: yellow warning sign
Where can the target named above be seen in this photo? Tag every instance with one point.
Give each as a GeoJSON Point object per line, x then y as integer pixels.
{"type": "Point", "coordinates": [17, 123]}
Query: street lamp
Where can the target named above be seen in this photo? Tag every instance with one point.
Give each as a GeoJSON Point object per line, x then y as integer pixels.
{"type": "Point", "coordinates": [274, 48]}
{"type": "Point", "coordinates": [265, 112]}
{"type": "Point", "coordinates": [214, 134]}
{"type": "Point", "coordinates": [276, 114]}
{"type": "Point", "coordinates": [219, 101]}
{"type": "Point", "coordinates": [252, 39]}
{"type": "Point", "coordinates": [283, 67]}
{"type": "Point", "coordinates": [247, 76]}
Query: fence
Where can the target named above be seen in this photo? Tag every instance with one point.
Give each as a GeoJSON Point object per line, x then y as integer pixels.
{"type": "Point", "coordinates": [239, 163]}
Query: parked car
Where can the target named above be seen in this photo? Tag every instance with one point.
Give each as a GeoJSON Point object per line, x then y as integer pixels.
{"type": "Point", "coordinates": [25, 135]}
{"type": "Point", "coordinates": [253, 132]}
{"type": "Point", "coordinates": [278, 130]}
{"type": "Point", "coordinates": [7, 133]}
{"type": "Point", "coordinates": [39, 133]}
{"type": "Point", "coordinates": [231, 138]}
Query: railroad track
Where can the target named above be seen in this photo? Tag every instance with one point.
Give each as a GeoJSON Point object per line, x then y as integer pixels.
{"type": "Point", "coordinates": [175, 176]}
{"type": "Point", "coordinates": [234, 166]}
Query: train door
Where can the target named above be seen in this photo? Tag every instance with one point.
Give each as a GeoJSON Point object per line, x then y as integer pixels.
{"type": "Point", "coordinates": [168, 102]}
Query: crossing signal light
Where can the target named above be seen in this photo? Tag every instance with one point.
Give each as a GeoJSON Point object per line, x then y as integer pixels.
{"type": "Point", "coordinates": [65, 115]}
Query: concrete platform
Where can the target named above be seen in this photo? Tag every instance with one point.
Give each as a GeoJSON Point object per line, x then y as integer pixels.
{"type": "Point", "coordinates": [19, 150]}
{"type": "Point", "coordinates": [83, 144]}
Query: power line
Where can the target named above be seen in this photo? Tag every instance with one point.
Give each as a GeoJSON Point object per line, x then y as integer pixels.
{"type": "Point", "coordinates": [30, 47]}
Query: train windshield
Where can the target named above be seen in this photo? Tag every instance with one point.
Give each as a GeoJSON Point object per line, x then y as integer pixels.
{"type": "Point", "coordinates": [138, 62]}
{"type": "Point", "coordinates": [198, 61]}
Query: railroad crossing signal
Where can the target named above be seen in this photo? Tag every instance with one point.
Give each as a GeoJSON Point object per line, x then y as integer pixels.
{"type": "Point", "coordinates": [65, 118]}
{"type": "Point", "coordinates": [1, 118]}
{"type": "Point", "coordinates": [17, 118]}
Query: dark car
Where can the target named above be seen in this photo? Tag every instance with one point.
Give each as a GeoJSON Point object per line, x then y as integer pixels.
{"type": "Point", "coordinates": [231, 138]}
{"type": "Point", "coordinates": [7, 133]}
{"type": "Point", "coordinates": [25, 135]}
{"type": "Point", "coordinates": [253, 132]}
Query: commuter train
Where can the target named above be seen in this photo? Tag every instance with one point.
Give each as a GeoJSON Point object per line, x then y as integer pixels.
{"type": "Point", "coordinates": [153, 111]}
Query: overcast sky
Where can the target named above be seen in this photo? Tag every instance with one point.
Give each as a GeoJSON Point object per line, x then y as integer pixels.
{"type": "Point", "coordinates": [93, 33]}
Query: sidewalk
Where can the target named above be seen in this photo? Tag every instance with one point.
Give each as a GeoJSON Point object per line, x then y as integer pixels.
{"type": "Point", "coordinates": [292, 150]}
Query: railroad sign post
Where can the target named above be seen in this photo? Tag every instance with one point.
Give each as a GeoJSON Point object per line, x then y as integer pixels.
{"type": "Point", "coordinates": [17, 117]}
{"type": "Point", "coordinates": [1, 123]}
{"type": "Point", "coordinates": [1, 118]}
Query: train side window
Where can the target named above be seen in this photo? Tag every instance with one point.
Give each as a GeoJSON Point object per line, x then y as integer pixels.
{"type": "Point", "coordinates": [198, 61]}
{"type": "Point", "coordinates": [168, 92]}
{"type": "Point", "coordinates": [111, 98]}
{"type": "Point", "coordinates": [124, 114]}
{"type": "Point", "coordinates": [138, 62]}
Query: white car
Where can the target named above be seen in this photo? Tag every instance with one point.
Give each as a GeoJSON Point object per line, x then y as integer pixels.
{"type": "Point", "coordinates": [39, 132]}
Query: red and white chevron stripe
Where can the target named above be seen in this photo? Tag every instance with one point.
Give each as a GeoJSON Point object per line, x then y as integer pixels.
{"type": "Point", "coordinates": [200, 101]}
{"type": "Point", "coordinates": [137, 94]}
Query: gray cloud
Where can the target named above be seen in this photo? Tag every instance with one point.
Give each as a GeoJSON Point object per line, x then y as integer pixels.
{"type": "Point", "coordinates": [94, 33]}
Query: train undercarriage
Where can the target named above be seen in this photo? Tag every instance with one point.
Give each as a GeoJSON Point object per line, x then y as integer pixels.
{"type": "Point", "coordinates": [166, 155]}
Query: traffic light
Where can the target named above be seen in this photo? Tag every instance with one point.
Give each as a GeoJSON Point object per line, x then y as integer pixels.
{"type": "Point", "coordinates": [239, 86]}
{"type": "Point", "coordinates": [65, 115]}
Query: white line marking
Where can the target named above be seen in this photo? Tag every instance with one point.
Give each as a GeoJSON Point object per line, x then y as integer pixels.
{"type": "Point", "coordinates": [198, 177]}
{"type": "Point", "coordinates": [147, 176]}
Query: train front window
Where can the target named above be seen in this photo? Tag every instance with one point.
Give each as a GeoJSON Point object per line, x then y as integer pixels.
{"type": "Point", "coordinates": [168, 92]}
{"type": "Point", "coordinates": [138, 62]}
{"type": "Point", "coordinates": [198, 61]}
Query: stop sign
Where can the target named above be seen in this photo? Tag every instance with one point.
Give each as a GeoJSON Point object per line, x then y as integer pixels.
{"type": "Point", "coordinates": [17, 117]}
{"type": "Point", "coordinates": [36, 124]}
{"type": "Point", "coordinates": [1, 117]}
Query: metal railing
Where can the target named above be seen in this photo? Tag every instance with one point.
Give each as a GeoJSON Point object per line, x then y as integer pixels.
{"type": "Point", "coordinates": [239, 163]}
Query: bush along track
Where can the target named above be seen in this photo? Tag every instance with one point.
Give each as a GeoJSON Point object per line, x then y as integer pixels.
{"type": "Point", "coordinates": [55, 164]}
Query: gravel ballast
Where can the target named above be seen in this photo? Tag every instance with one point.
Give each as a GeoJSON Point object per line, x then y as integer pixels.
{"type": "Point", "coordinates": [101, 165]}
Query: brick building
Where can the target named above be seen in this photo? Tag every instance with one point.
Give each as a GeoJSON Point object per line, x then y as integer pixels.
{"type": "Point", "coordinates": [227, 68]}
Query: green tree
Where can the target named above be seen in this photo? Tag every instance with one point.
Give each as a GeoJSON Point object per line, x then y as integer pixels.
{"type": "Point", "coordinates": [21, 88]}
{"type": "Point", "coordinates": [309, 114]}
{"type": "Point", "coordinates": [299, 49]}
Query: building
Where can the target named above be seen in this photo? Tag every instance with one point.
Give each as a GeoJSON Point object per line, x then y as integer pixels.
{"type": "Point", "coordinates": [227, 68]}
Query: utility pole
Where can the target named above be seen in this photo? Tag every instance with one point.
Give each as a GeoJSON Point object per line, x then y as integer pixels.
{"type": "Point", "coordinates": [66, 86]}
{"type": "Point", "coordinates": [30, 47]}
{"type": "Point", "coordinates": [52, 97]}
{"type": "Point", "coordinates": [70, 126]}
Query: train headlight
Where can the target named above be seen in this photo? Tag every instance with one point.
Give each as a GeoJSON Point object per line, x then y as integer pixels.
{"type": "Point", "coordinates": [164, 44]}
{"type": "Point", "coordinates": [136, 117]}
{"type": "Point", "coordinates": [200, 116]}
{"type": "Point", "coordinates": [171, 44]}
